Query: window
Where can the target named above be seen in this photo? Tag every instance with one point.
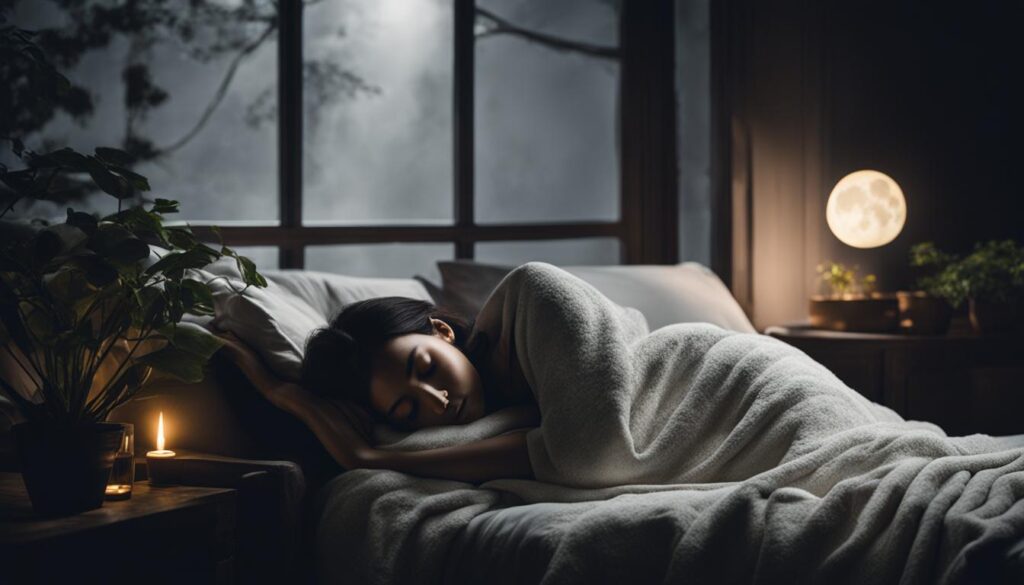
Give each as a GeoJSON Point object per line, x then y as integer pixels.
{"type": "Point", "coordinates": [375, 137]}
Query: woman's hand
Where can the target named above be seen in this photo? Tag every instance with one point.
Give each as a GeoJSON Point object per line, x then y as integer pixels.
{"type": "Point", "coordinates": [345, 429]}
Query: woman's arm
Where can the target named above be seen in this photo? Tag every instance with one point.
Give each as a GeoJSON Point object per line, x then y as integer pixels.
{"type": "Point", "coordinates": [505, 456]}
{"type": "Point", "coordinates": [344, 429]}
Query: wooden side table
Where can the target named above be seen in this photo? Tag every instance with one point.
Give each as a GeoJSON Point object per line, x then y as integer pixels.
{"type": "Point", "coordinates": [174, 534]}
{"type": "Point", "coordinates": [964, 383]}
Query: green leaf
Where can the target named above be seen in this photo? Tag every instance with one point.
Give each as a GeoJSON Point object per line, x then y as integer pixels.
{"type": "Point", "coordinates": [129, 251]}
{"type": "Point", "coordinates": [249, 274]}
{"type": "Point", "coordinates": [165, 206]}
{"type": "Point", "coordinates": [83, 221]}
{"type": "Point", "coordinates": [177, 262]}
{"type": "Point", "coordinates": [197, 298]}
{"type": "Point", "coordinates": [140, 222]}
{"type": "Point", "coordinates": [185, 366]}
{"type": "Point", "coordinates": [113, 156]}
{"type": "Point", "coordinates": [108, 181]}
{"type": "Point", "coordinates": [97, 271]}
{"type": "Point", "coordinates": [22, 182]}
{"type": "Point", "coordinates": [106, 238]}
{"type": "Point", "coordinates": [134, 179]}
{"type": "Point", "coordinates": [181, 237]}
{"type": "Point", "coordinates": [149, 308]}
{"type": "Point", "coordinates": [68, 158]}
{"type": "Point", "coordinates": [193, 339]}
{"type": "Point", "coordinates": [69, 285]}
{"type": "Point", "coordinates": [11, 318]}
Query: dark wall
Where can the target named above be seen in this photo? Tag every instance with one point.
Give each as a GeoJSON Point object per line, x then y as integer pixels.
{"type": "Point", "coordinates": [924, 92]}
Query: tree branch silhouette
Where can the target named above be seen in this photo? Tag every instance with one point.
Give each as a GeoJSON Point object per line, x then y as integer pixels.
{"type": "Point", "coordinates": [502, 26]}
{"type": "Point", "coordinates": [222, 90]}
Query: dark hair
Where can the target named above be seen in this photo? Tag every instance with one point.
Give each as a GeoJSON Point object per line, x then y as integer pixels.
{"type": "Point", "coordinates": [339, 358]}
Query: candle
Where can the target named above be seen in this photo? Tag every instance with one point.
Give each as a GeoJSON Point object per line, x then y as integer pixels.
{"type": "Point", "coordinates": [160, 452]}
{"type": "Point", "coordinates": [161, 463]}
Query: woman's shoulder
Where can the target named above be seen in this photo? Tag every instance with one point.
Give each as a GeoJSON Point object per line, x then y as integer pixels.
{"type": "Point", "coordinates": [541, 276]}
{"type": "Point", "coordinates": [537, 270]}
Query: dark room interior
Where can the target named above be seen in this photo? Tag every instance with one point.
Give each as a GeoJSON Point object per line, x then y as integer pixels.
{"type": "Point", "coordinates": [511, 291]}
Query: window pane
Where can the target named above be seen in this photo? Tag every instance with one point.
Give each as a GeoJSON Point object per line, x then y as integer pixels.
{"type": "Point", "coordinates": [561, 252]}
{"type": "Point", "coordinates": [265, 257]}
{"type": "Point", "coordinates": [385, 260]}
{"type": "Point", "coordinates": [189, 91]}
{"type": "Point", "coordinates": [378, 116]}
{"type": "Point", "coordinates": [546, 118]}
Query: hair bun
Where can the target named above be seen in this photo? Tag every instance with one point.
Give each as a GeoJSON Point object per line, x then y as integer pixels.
{"type": "Point", "coordinates": [342, 339]}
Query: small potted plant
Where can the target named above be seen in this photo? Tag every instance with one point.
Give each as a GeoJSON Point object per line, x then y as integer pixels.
{"type": "Point", "coordinates": [851, 304]}
{"type": "Point", "coordinates": [990, 279]}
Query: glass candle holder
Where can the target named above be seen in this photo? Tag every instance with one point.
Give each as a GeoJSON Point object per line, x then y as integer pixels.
{"type": "Point", "coordinates": [122, 475]}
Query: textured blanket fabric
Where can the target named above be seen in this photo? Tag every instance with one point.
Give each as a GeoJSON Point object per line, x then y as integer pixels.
{"type": "Point", "coordinates": [687, 454]}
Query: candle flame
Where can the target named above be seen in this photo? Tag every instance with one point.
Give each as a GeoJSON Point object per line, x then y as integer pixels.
{"type": "Point", "coordinates": [160, 433]}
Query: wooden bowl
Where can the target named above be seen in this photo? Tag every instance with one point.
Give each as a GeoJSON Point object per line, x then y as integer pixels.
{"type": "Point", "coordinates": [875, 314]}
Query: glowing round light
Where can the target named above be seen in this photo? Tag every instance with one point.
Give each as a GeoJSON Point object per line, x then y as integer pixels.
{"type": "Point", "coordinates": [866, 209]}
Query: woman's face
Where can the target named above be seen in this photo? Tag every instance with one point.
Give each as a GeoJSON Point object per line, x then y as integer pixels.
{"type": "Point", "coordinates": [424, 380]}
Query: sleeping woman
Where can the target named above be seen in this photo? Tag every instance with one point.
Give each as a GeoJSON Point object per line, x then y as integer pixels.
{"type": "Point", "coordinates": [615, 404]}
{"type": "Point", "coordinates": [409, 364]}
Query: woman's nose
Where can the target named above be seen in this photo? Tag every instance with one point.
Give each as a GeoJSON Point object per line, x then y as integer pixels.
{"type": "Point", "coordinates": [438, 398]}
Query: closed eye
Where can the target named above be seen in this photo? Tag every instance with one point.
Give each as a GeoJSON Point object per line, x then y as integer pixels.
{"type": "Point", "coordinates": [405, 410]}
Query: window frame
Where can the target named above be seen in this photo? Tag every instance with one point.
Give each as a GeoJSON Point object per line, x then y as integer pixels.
{"type": "Point", "coordinates": [647, 225]}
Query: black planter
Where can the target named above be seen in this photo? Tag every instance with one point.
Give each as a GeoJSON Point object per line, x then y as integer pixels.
{"type": "Point", "coordinates": [989, 318]}
{"type": "Point", "coordinates": [66, 468]}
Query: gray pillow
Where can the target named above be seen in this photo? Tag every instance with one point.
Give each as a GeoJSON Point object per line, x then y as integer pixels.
{"type": "Point", "coordinates": [681, 293]}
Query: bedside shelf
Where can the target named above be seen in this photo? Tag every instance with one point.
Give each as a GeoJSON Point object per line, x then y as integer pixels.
{"type": "Point", "coordinates": [964, 383]}
{"type": "Point", "coordinates": [160, 535]}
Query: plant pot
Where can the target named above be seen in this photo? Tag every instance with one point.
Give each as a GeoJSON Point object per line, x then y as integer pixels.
{"type": "Point", "coordinates": [922, 314]}
{"type": "Point", "coordinates": [66, 468]}
{"type": "Point", "coordinates": [995, 318]}
{"type": "Point", "coordinates": [876, 314]}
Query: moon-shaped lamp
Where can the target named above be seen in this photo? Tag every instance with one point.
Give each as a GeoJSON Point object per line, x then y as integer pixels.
{"type": "Point", "coordinates": [866, 209]}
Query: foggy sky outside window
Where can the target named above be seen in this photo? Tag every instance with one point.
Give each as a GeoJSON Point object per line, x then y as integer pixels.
{"type": "Point", "coordinates": [378, 147]}
{"type": "Point", "coordinates": [155, 91]}
{"type": "Point", "coordinates": [545, 120]}
{"type": "Point", "coordinates": [577, 252]}
{"type": "Point", "coordinates": [398, 260]}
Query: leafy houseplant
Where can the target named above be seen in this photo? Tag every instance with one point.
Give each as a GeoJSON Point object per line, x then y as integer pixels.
{"type": "Point", "coordinates": [90, 307]}
{"type": "Point", "coordinates": [990, 279]}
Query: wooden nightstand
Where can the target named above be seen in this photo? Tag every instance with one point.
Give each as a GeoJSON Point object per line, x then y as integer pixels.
{"type": "Point", "coordinates": [964, 383]}
{"type": "Point", "coordinates": [174, 534]}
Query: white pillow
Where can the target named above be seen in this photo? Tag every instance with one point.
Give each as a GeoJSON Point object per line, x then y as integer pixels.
{"type": "Point", "coordinates": [277, 320]}
{"type": "Point", "coordinates": [684, 293]}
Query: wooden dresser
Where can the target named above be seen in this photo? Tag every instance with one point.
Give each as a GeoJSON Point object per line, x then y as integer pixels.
{"type": "Point", "coordinates": [965, 384]}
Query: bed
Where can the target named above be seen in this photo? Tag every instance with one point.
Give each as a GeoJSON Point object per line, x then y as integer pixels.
{"type": "Point", "coordinates": [952, 516]}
